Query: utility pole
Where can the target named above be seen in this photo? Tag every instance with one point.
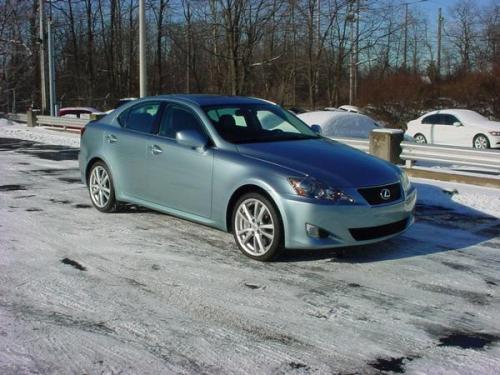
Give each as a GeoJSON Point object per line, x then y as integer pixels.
{"type": "Point", "coordinates": [143, 88]}
{"type": "Point", "coordinates": [352, 55]}
{"type": "Point", "coordinates": [405, 48]}
{"type": "Point", "coordinates": [43, 86]}
{"type": "Point", "coordinates": [52, 70]}
{"type": "Point", "coordinates": [440, 30]}
{"type": "Point", "coordinates": [356, 53]}
{"type": "Point", "coordinates": [405, 52]}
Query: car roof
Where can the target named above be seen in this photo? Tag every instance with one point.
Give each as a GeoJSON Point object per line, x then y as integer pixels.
{"type": "Point", "coordinates": [321, 117]}
{"type": "Point", "coordinates": [451, 112]}
{"type": "Point", "coordinates": [209, 100]}
{"type": "Point", "coordinates": [79, 109]}
{"type": "Point", "coordinates": [463, 114]}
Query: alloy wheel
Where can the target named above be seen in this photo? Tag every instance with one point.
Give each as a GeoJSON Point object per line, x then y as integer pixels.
{"type": "Point", "coordinates": [254, 227]}
{"type": "Point", "coordinates": [481, 142]}
{"type": "Point", "coordinates": [100, 186]}
{"type": "Point", "coordinates": [419, 138]}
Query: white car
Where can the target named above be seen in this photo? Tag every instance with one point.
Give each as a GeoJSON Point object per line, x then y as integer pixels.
{"type": "Point", "coordinates": [350, 108]}
{"type": "Point", "coordinates": [456, 127]}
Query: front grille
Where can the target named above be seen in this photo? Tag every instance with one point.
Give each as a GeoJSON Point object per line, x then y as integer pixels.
{"type": "Point", "coordinates": [373, 195]}
{"type": "Point", "coordinates": [370, 233]}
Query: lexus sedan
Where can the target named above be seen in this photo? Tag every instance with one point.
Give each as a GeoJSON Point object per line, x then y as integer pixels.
{"type": "Point", "coordinates": [246, 166]}
{"type": "Point", "coordinates": [456, 127]}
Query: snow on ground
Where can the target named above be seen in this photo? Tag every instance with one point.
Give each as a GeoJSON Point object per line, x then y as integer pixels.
{"type": "Point", "coordinates": [142, 292]}
{"type": "Point", "coordinates": [10, 129]}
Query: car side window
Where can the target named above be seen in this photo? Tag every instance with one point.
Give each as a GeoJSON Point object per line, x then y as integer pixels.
{"type": "Point", "coordinates": [432, 119]}
{"type": "Point", "coordinates": [141, 118]}
{"type": "Point", "coordinates": [176, 118]}
{"type": "Point", "coordinates": [449, 119]}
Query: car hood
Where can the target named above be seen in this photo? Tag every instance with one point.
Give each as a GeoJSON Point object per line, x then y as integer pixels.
{"type": "Point", "coordinates": [329, 161]}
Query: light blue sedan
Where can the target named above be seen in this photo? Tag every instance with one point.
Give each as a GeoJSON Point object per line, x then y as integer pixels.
{"type": "Point", "coordinates": [246, 166]}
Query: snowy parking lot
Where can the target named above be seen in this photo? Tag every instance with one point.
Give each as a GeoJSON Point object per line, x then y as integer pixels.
{"type": "Point", "coordinates": [138, 292]}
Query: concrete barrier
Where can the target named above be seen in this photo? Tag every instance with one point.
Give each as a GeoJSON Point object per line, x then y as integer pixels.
{"type": "Point", "coordinates": [386, 144]}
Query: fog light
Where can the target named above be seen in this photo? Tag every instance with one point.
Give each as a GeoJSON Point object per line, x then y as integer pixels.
{"type": "Point", "coordinates": [316, 232]}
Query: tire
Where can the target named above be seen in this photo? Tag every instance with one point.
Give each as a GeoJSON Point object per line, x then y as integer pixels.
{"type": "Point", "coordinates": [420, 139]}
{"type": "Point", "coordinates": [101, 188]}
{"type": "Point", "coordinates": [257, 227]}
{"type": "Point", "coordinates": [481, 142]}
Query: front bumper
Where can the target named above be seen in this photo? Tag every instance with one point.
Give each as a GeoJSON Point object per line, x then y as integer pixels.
{"type": "Point", "coordinates": [494, 141]}
{"type": "Point", "coordinates": [342, 223]}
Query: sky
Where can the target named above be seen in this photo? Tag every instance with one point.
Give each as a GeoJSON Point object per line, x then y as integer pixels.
{"type": "Point", "coordinates": [430, 7]}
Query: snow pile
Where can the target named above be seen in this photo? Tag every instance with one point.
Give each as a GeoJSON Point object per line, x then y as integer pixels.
{"type": "Point", "coordinates": [10, 129]}
{"type": "Point", "coordinates": [458, 197]}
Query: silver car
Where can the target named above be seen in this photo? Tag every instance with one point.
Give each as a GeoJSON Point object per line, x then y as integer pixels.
{"type": "Point", "coordinates": [246, 166]}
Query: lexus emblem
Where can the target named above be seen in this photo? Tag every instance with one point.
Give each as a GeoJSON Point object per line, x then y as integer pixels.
{"type": "Point", "coordinates": [385, 194]}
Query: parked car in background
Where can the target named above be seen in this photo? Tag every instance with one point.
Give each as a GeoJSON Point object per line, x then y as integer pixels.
{"type": "Point", "coordinates": [350, 108]}
{"type": "Point", "coordinates": [121, 102]}
{"type": "Point", "coordinates": [456, 127]}
{"type": "Point", "coordinates": [78, 112]}
{"type": "Point", "coordinates": [211, 159]}
{"type": "Point", "coordinates": [343, 124]}
{"type": "Point", "coordinates": [297, 110]}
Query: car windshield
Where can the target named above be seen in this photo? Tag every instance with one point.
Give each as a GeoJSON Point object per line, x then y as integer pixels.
{"type": "Point", "coordinates": [257, 123]}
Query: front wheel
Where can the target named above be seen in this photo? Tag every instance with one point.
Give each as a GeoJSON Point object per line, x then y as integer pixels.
{"type": "Point", "coordinates": [101, 190]}
{"type": "Point", "coordinates": [420, 138]}
{"type": "Point", "coordinates": [481, 142]}
{"type": "Point", "coordinates": [257, 227]}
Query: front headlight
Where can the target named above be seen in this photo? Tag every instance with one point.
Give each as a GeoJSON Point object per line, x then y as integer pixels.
{"type": "Point", "coordinates": [495, 134]}
{"type": "Point", "coordinates": [312, 188]}
{"type": "Point", "coordinates": [405, 181]}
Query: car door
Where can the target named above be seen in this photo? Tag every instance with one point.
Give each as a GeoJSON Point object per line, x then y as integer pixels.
{"type": "Point", "coordinates": [179, 176]}
{"type": "Point", "coordinates": [446, 133]}
{"type": "Point", "coordinates": [426, 128]}
{"type": "Point", "coordinates": [126, 147]}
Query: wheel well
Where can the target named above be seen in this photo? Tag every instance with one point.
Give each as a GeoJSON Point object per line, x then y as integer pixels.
{"type": "Point", "coordinates": [89, 167]}
{"type": "Point", "coordinates": [480, 134]}
{"type": "Point", "coordinates": [238, 194]}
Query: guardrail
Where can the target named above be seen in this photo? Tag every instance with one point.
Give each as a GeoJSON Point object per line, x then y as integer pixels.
{"type": "Point", "coordinates": [62, 122]}
{"type": "Point", "coordinates": [19, 117]}
{"type": "Point", "coordinates": [360, 144]}
{"type": "Point", "coordinates": [411, 152]}
{"type": "Point", "coordinates": [449, 155]}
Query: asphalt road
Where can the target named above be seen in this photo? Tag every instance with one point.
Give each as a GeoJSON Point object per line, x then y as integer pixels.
{"type": "Point", "coordinates": [138, 292]}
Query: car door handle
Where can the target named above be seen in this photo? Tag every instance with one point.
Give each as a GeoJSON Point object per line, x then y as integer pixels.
{"type": "Point", "coordinates": [155, 150]}
{"type": "Point", "coordinates": [110, 138]}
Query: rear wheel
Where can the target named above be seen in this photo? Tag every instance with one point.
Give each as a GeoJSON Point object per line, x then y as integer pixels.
{"type": "Point", "coordinates": [420, 138]}
{"type": "Point", "coordinates": [101, 190]}
{"type": "Point", "coordinates": [257, 227]}
{"type": "Point", "coordinates": [481, 142]}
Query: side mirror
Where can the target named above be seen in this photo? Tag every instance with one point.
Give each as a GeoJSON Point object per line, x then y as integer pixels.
{"type": "Point", "coordinates": [316, 129]}
{"type": "Point", "coordinates": [192, 138]}
{"type": "Point", "coordinates": [457, 124]}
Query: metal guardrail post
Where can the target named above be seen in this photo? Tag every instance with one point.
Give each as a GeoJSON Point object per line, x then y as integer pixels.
{"type": "Point", "coordinates": [386, 144]}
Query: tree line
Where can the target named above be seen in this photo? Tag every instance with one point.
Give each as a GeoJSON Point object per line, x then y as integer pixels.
{"type": "Point", "coordinates": [380, 54]}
